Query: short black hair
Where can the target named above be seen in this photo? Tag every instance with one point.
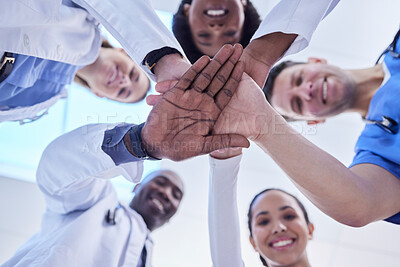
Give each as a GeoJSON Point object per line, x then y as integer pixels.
{"type": "Point", "coordinates": [249, 213]}
{"type": "Point", "coordinates": [275, 71]}
{"type": "Point", "coordinates": [182, 32]}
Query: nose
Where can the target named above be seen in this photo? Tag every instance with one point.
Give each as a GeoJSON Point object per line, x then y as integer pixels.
{"type": "Point", "coordinates": [216, 26]}
{"type": "Point", "coordinates": [278, 227]}
{"type": "Point", "coordinates": [305, 90]}
{"type": "Point", "coordinates": [124, 81]}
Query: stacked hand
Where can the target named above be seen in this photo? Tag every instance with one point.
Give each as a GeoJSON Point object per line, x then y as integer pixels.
{"type": "Point", "coordinates": [181, 124]}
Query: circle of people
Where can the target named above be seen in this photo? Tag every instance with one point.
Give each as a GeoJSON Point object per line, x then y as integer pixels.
{"type": "Point", "coordinates": [218, 68]}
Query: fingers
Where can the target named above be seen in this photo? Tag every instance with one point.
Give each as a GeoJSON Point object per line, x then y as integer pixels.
{"type": "Point", "coordinates": [225, 94]}
{"type": "Point", "coordinates": [187, 79]}
{"type": "Point", "coordinates": [220, 141]}
{"type": "Point", "coordinates": [224, 72]}
{"type": "Point", "coordinates": [162, 87]}
{"type": "Point", "coordinates": [151, 100]}
{"type": "Point", "coordinates": [206, 76]}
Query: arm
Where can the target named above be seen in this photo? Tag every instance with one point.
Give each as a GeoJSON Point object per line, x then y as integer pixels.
{"type": "Point", "coordinates": [74, 168]}
{"type": "Point", "coordinates": [286, 30]}
{"type": "Point", "coordinates": [136, 26]}
{"type": "Point", "coordinates": [356, 196]}
{"type": "Point", "coordinates": [223, 219]}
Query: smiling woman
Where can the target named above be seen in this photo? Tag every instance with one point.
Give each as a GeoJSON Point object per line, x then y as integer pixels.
{"type": "Point", "coordinates": [114, 75]}
{"type": "Point", "coordinates": [202, 27]}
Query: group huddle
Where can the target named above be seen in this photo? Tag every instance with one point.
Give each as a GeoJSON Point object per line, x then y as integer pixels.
{"type": "Point", "coordinates": [218, 69]}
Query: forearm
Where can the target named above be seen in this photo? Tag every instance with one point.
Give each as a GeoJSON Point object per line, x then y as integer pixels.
{"type": "Point", "coordinates": [134, 24]}
{"type": "Point", "coordinates": [336, 190]}
{"type": "Point", "coordinates": [223, 219]}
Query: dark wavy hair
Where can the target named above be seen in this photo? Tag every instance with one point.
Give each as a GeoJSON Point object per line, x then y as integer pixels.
{"type": "Point", "coordinates": [249, 213]}
{"type": "Point", "coordinates": [182, 32]}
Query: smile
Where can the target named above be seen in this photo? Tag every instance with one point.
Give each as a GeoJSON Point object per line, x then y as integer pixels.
{"type": "Point", "coordinates": [216, 13]}
{"type": "Point", "coordinates": [113, 77]}
{"type": "Point", "coordinates": [282, 243]}
{"type": "Point", "coordinates": [157, 203]}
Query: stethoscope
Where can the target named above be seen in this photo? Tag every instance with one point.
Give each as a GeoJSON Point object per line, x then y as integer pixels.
{"type": "Point", "coordinates": [111, 215]}
{"type": "Point", "coordinates": [388, 124]}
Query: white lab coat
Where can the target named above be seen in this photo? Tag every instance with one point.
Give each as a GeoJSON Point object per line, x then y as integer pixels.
{"type": "Point", "coordinates": [73, 175]}
{"type": "Point", "coordinates": [67, 30]}
{"type": "Point", "coordinates": [223, 218]}
{"type": "Point", "coordinates": [296, 16]}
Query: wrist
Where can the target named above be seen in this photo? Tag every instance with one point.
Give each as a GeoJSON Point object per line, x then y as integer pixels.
{"type": "Point", "coordinates": [136, 145]}
{"type": "Point", "coordinates": [158, 57]}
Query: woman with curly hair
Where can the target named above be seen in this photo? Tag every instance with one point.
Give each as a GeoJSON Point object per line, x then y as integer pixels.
{"type": "Point", "coordinates": [202, 27]}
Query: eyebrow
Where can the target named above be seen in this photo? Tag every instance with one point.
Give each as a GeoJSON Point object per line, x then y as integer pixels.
{"type": "Point", "coordinates": [262, 213]}
{"type": "Point", "coordinates": [292, 80]}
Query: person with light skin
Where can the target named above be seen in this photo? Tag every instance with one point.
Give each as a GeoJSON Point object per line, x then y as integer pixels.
{"type": "Point", "coordinates": [278, 222]}
{"type": "Point", "coordinates": [369, 189]}
{"type": "Point", "coordinates": [84, 223]}
{"type": "Point", "coordinates": [202, 27]}
{"type": "Point", "coordinates": [33, 84]}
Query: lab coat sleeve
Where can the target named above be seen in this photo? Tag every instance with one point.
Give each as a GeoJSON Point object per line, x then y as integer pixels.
{"type": "Point", "coordinates": [296, 16]}
{"type": "Point", "coordinates": [73, 172]}
{"type": "Point", "coordinates": [134, 24]}
{"type": "Point", "coordinates": [223, 219]}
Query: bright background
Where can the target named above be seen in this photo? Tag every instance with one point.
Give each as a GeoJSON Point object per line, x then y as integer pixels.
{"type": "Point", "coordinates": [352, 36]}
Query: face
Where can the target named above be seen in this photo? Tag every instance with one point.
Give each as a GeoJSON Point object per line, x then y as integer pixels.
{"type": "Point", "coordinates": [116, 76]}
{"type": "Point", "coordinates": [312, 91]}
{"type": "Point", "coordinates": [214, 23]}
{"type": "Point", "coordinates": [158, 200]}
{"type": "Point", "coordinates": [279, 230]}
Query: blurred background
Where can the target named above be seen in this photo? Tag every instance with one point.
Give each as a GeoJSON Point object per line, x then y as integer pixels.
{"type": "Point", "coordinates": [352, 36]}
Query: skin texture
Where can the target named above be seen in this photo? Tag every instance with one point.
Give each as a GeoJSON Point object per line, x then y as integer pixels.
{"type": "Point", "coordinates": [168, 191]}
{"type": "Point", "coordinates": [116, 76]}
{"type": "Point", "coordinates": [276, 217]}
{"type": "Point", "coordinates": [210, 32]}
{"type": "Point", "coordinates": [299, 91]}
{"type": "Point", "coordinates": [189, 111]}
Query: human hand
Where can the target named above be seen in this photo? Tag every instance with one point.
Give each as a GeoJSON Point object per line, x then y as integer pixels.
{"type": "Point", "coordinates": [171, 67]}
{"type": "Point", "coordinates": [181, 124]}
{"type": "Point", "coordinates": [262, 53]}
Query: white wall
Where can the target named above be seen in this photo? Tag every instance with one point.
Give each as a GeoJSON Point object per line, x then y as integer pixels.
{"type": "Point", "coordinates": [352, 36]}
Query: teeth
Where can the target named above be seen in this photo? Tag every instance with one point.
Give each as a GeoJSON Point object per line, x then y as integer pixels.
{"type": "Point", "coordinates": [158, 204]}
{"type": "Point", "coordinates": [113, 76]}
{"type": "Point", "coordinates": [216, 12]}
{"type": "Point", "coordinates": [325, 90]}
{"type": "Point", "coordinates": [282, 243]}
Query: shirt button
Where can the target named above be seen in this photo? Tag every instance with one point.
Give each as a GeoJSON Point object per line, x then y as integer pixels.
{"type": "Point", "coordinates": [26, 40]}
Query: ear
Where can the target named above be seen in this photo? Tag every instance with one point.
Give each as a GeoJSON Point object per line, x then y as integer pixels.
{"type": "Point", "coordinates": [310, 231]}
{"type": "Point", "coordinates": [186, 8]}
{"type": "Point", "coordinates": [136, 187]}
{"type": "Point", "coordinates": [253, 243]}
{"type": "Point", "coordinates": [314, 122]}
{"type": "Point", "coordinates": [317, 60]}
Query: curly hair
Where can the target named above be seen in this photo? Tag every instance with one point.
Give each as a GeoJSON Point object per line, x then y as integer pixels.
{"type": "Point", "coordinates": [182, 32]}
{"type": "Point", "coordinates": [250, 215]}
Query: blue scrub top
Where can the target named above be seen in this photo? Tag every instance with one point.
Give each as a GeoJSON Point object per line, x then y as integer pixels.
{"type": "Point", "coordinates": [375, 145]}
{"type": "Point", "coordinates": [34, 80]}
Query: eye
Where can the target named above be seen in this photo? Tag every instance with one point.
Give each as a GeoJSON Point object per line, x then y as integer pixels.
{"type": "Point", "coordinates": [263, 222]}
{"type": "Point", "coordinates": [203, 35]}
{"type": "Point", "coordinates": [290, 217]}
{"type": "Point", "coordinates": [121, 91]}
{"type": "Point", "coordinates": [299, 80]}
{"type": "Point", "coordinates": [177, 194]}
{"type": "Point", "coordinates": [230, 33]}
{"type": "Point", "coordinates": [160, 182]}
{"type": "Point", "coordinates": [299, 105]}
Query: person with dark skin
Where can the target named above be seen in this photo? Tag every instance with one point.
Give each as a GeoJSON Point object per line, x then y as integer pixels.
{"type": "Point", "coordinates": [85, 224]}
{"type": "Point", "coordinates": [202, 27]}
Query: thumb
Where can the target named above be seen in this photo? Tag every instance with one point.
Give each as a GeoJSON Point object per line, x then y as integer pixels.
{"type": "Point", "coordinates": [164, 86]}
{"type": "Point", "coordinates": [220, 141]}
{"type": "Point", "coordinates": [151, 100]}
